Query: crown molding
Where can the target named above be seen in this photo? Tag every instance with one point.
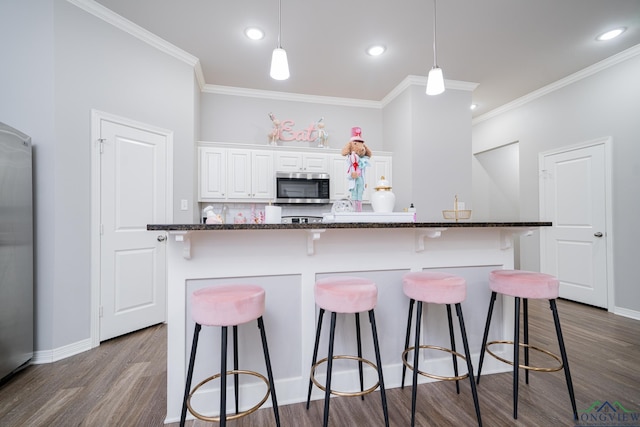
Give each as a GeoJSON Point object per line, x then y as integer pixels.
{"type": "Point", "coordinates": [349, 102]}
{"type": "Point", "coordinates": [412, 80]}
{"type": "Point", "coordinates": [573, 78]}
{"type": "Point", "coordinates": [408, 81]}
{"type": "Point", "coordinates": [200, 76]}
{"type": "Point", "coordinates": [287, 96]}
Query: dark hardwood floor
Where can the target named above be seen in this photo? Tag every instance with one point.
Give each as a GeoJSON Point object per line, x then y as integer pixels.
{"type": "Point", "coordinates": [123, 383]}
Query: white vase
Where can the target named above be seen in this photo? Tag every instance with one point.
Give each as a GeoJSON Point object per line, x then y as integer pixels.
{"type": "Point", "coordinates": [383, 199]}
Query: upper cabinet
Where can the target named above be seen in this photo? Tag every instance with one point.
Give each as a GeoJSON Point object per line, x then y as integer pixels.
{"type": "Point", "coordinates": [338, 173]}
{"type": "Point", "coordinates": [235, 174]}
{"type": "Point", "coordinates": [244, 173]}
{"type": "Point", "coordinates": [291, 161]}
{"type": "Point", "coordinates": [212, 173]}
{"type": "Point", "coordinates": [250, 174]}
{"type": "Point", "coordinates": [379, 166]}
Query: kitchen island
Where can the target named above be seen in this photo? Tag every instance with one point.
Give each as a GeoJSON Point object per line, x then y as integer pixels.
{"type": "Point", "coordinates": [287, 259]}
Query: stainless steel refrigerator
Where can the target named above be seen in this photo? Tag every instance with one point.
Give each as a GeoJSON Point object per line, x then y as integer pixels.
{"type": "Point", "coordinates": [16, 251]}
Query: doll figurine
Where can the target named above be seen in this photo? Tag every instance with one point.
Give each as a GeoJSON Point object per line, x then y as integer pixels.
{"type": "Point", "coordinates": [357, 154]}
{"type": "Point", "coordinates": [275, 132]}
{"type": "Point", "coordinates": [323, 135]}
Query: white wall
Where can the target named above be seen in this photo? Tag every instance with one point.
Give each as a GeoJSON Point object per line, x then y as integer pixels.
{"type": "Point", "coordinates": [430, 137]}
{"type": "Point", "coordinates": [397, 121]}
{"type": "Point", "coordinates": [59, 63]}
{"type": "Point", "coordinates": [496, 183]}
{"type": "Point", "coordinates": [604, 104]}
{"type": "Point", "coordinates": [243, 119]}
{"type": "Point", "coordinates": [441, 156]}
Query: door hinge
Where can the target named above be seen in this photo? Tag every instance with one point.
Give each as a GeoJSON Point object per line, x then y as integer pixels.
{"type": "Point", "coordinates": [100, 311]}
{"type": "Point", "coordinates": [101, 142]}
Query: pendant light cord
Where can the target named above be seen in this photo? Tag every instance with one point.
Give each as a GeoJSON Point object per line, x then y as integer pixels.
{"type": "Point", "coordinates": [435, 59]}
{"type": "Point", "coordinates": [279, 24]}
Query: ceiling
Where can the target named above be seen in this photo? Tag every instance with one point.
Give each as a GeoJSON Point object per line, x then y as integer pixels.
{"type": "Point", "coordinates": [509, 47]}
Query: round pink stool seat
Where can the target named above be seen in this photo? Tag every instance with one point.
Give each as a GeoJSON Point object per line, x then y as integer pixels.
{"type": "Point", "coordinates": [227, 305]}
{"type": "Point", "coordinates": [434, 287]}
{"type": "Point", "coordinates": [346, 294]}
{"type": "Point", "coordinates": [524, 284]}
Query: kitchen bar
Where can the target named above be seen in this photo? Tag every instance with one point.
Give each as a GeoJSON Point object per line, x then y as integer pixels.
{"type": "Point", "coordinates": [287, 259]}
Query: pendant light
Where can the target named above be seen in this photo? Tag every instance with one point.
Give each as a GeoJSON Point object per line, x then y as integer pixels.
{"type": "Point", "coordinates": [279, 64]}
{"type": "Point", "coordinates": [435, 79]}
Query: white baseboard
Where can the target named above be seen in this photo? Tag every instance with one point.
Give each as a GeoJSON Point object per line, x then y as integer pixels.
{"type": "Point", "coordinates": [50, 356]}
{"type": "Point", "coordinates": [627, 313]}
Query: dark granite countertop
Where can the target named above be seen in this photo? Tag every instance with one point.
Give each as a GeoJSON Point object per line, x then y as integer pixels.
{"type": "Point", "coordinates": [315, 226]}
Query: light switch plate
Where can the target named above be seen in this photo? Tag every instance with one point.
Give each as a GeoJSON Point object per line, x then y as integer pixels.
{"type": "Point", "coordinates": [184, 205]}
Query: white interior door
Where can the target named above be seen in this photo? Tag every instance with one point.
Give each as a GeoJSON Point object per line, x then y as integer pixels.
{"type": "Point", "coordinates": [133, 193]}
{"type": "Point", "coordinates": [574, 197]}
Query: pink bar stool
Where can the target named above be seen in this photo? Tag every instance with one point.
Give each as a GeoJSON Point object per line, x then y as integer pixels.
{"type": "Point", "coordinates": [352, 295]}
{"type": "Point", "coordinates": [525, 285]}
{"type": "Point", "coordinates": [228, 305]}
{"type": "Point", "coordinates": [436, 288]}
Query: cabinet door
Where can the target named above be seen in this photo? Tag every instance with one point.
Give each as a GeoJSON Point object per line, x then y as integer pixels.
{"type": "Point", "coordinates": [291, 161]}
{"type": "Point", "coordinates": [212, 171]}
{"type": "Point", "coordinates": [379, 166]}
{"type": "Point", "coordinates": [263, 177]}
{"type": "Point", "coordinates": [338, 174]}
{"type": "Point", "coordinates": [239, 174]}
{"type": "Point", "coordinates": [315, 163]}
{"type": "Point", "coordinates": [288, 162]}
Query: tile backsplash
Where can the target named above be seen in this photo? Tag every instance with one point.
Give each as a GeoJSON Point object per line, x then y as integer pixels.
{"type": "Point", "coordinates": [254, 212]}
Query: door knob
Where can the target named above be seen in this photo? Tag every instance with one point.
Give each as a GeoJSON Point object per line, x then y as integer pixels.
{"type": "Point", "coordinates": [162, 238]}
{"type": "Point", "coordinates": [598, 234]}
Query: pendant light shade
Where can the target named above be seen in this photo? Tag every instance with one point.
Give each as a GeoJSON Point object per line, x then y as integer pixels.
{"type": "Point", "coordinates": [435, 79]}
{"type": "Point", "coordinates": [279, 63]}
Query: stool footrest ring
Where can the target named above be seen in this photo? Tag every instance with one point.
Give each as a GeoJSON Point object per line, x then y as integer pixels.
{"type": "Point", "coordinates": [529, 367]}
{"type": "Point", "coordinates": [232, 416]}
{"type": "Point", "coordinates": [434, 376]}
{"type": "Point", "coordinates": [344, 393]}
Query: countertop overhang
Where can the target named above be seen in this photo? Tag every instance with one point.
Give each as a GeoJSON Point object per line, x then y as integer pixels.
{"type": "Point", "coordinates": [327, 226]}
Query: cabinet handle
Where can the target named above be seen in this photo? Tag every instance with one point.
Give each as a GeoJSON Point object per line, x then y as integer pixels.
{"type": "Point", "coordinates": [598, 234]}
{"type": "Point", "coordinates": [162, 238]}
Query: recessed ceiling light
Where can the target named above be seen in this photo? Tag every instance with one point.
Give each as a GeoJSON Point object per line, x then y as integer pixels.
{"type": "Point", "coordinates": [611, 34]}
{"type": "Point", "coordinates": [473, 106]}
{"type": "Point", "coordinates": [376, 50]}
{"type": "Point", "coordinates": [254, 33]}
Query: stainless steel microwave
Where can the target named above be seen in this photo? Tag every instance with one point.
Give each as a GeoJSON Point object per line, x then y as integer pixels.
{"type": "Point", "coordinates": [302, 187]}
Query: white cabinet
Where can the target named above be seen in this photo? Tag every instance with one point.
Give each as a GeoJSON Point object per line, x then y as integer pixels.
{"type": "Point", "coordinates": [212, 172]}
{"type": "Point", "coordinates": [242, 173]}
{"type": "Point", "coordinates": [250, 174]}
{"type": "Point", "coordinates": [263, 176]}
{"type": "Point", "coordinates": [338, 174]}
{"type": "Point", "coordinates": [379, 166]}
{"type": "Point", "coordinates": [235, 174]}
{"type": "Point", "coordinates": [291, 161]}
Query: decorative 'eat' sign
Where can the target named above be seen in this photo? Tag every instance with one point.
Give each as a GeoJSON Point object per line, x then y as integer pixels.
{"type": "Point", "coordinates": [284, 131]}
{"type": "Point", "coordinates": [287, 133]}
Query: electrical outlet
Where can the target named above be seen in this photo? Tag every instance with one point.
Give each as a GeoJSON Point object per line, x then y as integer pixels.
{"type": "Point", "coordinates": [184, 205]}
